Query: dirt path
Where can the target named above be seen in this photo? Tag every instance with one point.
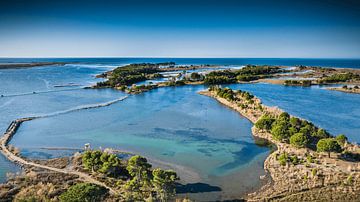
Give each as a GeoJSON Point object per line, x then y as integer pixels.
{"type": "Point", "coordinates": [11, 131]}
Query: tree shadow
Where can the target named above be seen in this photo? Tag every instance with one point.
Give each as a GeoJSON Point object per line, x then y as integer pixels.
{"type": "Point", "coordinates": [350, 156]}
{"type": "Point", "coordinates": [195, 188]}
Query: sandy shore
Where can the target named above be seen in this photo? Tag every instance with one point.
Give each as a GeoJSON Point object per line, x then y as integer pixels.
{"type": "Point", "coordinates": [345, 90]}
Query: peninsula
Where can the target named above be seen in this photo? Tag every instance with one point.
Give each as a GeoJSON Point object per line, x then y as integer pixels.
{"type": "Point", "coordinates": [308, 160]}
{"type": "Point", "coordinates": [28, 65]}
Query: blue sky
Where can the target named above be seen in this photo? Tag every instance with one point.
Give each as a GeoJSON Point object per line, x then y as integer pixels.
{"type": "Point", "coordinates": [174, 28]}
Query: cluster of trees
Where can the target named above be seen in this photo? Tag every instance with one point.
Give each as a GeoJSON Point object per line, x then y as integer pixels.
{"type": "Point", "coordinates": [342, 77]}
{"type": "Point", "coordinates": [175, 83]}
{"type": "Point", "coordinates": [103, 162]}
{"type": "Point", "coordinates": [220, 77]}
{"type": "Point", "coordinates": [83, 192]}
{"type": "Point", "coordinates": [297, 83]}
{"type": "Point", "coordinates": [226, 93]}
{"type": "Point", "coordinates": [300, 133]}
{"type": "Point", "coordinates": [138, 88]}
{"type": "Point", "coordinates": [248, 73]}
{"type": "Point", "coordinates": [230, 94]}
{"type": "Point", "coordinates": [149, 184]}
{"type": "Point", "coordinates": [196, 77]}
{"type": "Point", "coordinates": [257, 70]}
{"type": "Point", "coordinates": [133, 73]}
{"type": "Point", "coordinates": [143, 182]}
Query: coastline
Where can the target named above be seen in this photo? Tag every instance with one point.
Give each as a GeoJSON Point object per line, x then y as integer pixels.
{"type": "Point", "coordinates": [345, 90]}
{"type": "Point", "coordinates": [289, 181]}
{"type": "Point", "coordinates": [29, 65]}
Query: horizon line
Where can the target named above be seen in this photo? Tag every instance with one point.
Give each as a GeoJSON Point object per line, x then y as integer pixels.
{"type": "Point", "coordinates": [171, 57]}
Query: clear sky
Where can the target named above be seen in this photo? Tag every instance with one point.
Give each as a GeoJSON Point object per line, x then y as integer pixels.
{"type": "Point", "coordinates": [180, 28]}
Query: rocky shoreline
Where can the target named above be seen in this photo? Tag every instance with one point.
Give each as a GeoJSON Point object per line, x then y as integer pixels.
{"type": "Point", "coordinates": [340, 179]}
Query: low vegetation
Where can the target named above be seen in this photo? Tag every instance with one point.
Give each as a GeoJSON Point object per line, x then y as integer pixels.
{"type": "Point", "coordinates": [248, 73]}
{"type": "Point", "coordinates": [286, 158]}
{"type": "Point", "coordinates": [83, 192]}
{"type": "Point", "coordinates": [304, 83]}
{"type": "Point", "coordinates": [340, 77]}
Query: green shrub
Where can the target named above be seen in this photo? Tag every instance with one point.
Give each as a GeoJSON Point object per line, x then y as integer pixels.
{"type": "Point", "coordinates": [328, 145]}
{"type": "Point", "coordinates": [83, 192]}
{"type": "Point", "coordinates": [341, 77]}
{"type": "Point", "coordinates": [265, 122]}
{"type": "Point", "coordinates": [341, 139]}
{"type": "Point", "coordinates": [310, 159]}
{"type": "Point", "coordinates": [294, 160]}
{"type": "Point", "coordinates": [299, 140]}
{"type": "Point", "coordinates": [98, 161]}
{"type": "Point", "coordinates": [283, 159]}
{"type": "Point", "coordinates": [349, 180]}
{"type": "Point", "coordinates": [279, 130]}
{"type": "Point", "coordinates": [314, 172]}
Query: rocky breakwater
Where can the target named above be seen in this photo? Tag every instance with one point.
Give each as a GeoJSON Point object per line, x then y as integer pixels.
{"type": "Point", "coordinates": [298, 172]}
{"type": "Point", "coordinates": [10, 132]}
